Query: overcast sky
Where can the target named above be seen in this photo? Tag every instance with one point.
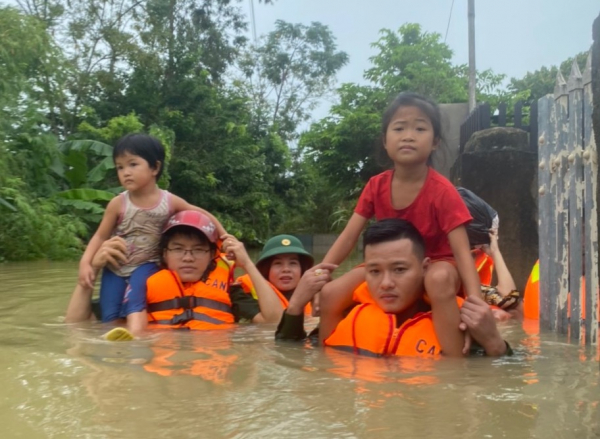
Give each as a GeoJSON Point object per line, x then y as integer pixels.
{"type": "Point", "coordinates": [512, 36]}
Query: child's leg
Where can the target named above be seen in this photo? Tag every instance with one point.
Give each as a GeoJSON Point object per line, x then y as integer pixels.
{"type": "Point", "coordinates": [441, 283]}
{"type": "Point", "coordinates": [135, 296]}
{"type": "Point", "coordinates": [112, 291]}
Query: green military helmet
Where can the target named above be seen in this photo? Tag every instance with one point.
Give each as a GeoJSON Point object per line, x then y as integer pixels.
{"type": "Point", "coordinates": [279, 245]}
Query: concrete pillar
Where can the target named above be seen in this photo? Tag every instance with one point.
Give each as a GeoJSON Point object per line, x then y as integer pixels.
{"type": "Point", "coordinates": [453, 115]}
{"type": "Point", "coordinates": [498, 166]}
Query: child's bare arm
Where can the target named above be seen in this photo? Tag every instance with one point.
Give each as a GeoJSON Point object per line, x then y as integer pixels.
{"type": "Point", "coordinates": [347, 240]}
{"type": "Point", "coordinates": [459, 242]}
{"type": "Point", "coordinates": [506, 283]}
{"type": "Point", "coordinates": [87, 273]}
{"type": "Point", "coordinates": [178, 204]}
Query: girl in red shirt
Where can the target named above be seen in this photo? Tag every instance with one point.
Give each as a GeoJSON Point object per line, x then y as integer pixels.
{"type": "Point", "coordinates": [412, 190]}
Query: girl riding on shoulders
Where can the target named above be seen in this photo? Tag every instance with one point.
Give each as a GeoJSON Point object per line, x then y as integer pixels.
{"type": "Point", "coordinates": [137, 215]}
{"type": "Point", "coordinates": [412, 190]}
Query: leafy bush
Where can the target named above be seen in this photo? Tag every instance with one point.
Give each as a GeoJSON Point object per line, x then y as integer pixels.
{"type": "Point", "coordinates": [36, 230]}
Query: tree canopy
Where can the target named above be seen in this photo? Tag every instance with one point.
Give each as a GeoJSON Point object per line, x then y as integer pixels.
{"type": "Point", "coordinates": [76, 75]}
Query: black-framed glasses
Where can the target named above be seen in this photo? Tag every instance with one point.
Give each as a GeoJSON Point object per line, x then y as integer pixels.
{"type": "Point", "coordinates": [195, 252]}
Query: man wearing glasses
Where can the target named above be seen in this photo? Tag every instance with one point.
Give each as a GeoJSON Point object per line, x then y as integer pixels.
{"type": "Point", "coordinates": [194, 289]}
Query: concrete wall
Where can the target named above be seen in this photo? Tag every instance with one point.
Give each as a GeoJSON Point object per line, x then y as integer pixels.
{"type": "Point", "coordinates": [506, 178]}
{"type": "Point", "coordinates": [320, 243]}
{"type": "Point", "coordinates": [453, 115]}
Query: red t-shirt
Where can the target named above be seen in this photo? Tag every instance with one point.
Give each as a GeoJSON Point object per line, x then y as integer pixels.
{"type": "Point", "coordinates": [436, 211]}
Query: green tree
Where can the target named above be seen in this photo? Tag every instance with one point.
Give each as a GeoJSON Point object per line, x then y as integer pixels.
{"type": "Point", "coordinates": [417, 61]}
{"type": "Point", "coordinates": [542, 81]}
{"type": "Point", "coordinates": [28, 62]}
{"type": "Point", "coordinates": [288, 72]}
{"type": "Point", "coordinates": [96, 39]}
{"type": "Point", "coordinates": [223, 170]}
{"type": "Point", "coordinates": [346, 144]}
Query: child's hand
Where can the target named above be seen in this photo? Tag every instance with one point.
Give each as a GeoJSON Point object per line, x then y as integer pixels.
{"type": "Point", "coordinates": [492, 248]}
{"type": "Point", "coordinates": [87, 275]}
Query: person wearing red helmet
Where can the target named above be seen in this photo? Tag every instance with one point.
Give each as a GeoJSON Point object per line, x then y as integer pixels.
{"type": "Point", "coordinates": [194, 289]}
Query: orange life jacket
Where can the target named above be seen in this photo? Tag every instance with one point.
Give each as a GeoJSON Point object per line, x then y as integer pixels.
{"type": "Point", "coordinates": [368, 330]}
{"type": "Point", "coordinates": [485, 266]}
{"type": "Point", "coordinates": [199, 305]}
{"type": "Point", "coordinates": [246, 283]}
{"type": "Point", "coordinates": [531, 299]}
{"type": "Point", "coordinates": [362, 295]}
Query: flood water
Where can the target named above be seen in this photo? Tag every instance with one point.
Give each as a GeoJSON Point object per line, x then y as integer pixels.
{"type": "Point", "coordinates": [62, 381]}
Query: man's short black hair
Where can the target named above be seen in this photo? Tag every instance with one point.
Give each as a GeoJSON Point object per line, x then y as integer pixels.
{"type": "Point", "coordinates": [394, 229]}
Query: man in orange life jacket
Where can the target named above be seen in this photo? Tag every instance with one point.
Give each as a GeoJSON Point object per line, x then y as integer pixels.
{"type": "Point", "coordinates": [393, 318]}
{"type": "Point", "coordinates": [194, 290]}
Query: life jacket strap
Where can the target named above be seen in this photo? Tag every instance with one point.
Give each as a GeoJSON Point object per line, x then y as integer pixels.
{"type": "Point", "coordinates": [188, 303]}
{"type": "Point", "coordinates": [355, 350]}
{"type": "Point", "coordinates": [188, 315]}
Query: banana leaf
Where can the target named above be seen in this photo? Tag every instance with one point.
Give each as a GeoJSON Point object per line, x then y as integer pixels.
{"type": "Point", "coordinates": [85, 194]}
{"type": "Point", "coordinates": [88, 206]}
{"type": "Point", "coordinates": [99, 148]}
{"type": "Point", "coordinates": [76, 174]}
{"type": "Point", "coordinates": [99, 172]}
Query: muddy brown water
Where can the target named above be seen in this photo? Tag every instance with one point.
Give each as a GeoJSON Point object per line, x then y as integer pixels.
{"type": "Point", "coordinates": [62, 381]}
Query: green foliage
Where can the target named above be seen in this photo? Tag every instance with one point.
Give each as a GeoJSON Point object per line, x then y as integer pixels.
{"type": "Point", "coordinates": [6, 205]}
{"type": "Point", "coordinates": [31, 153]}
{"type": "Point", "coordinates": [32, 70]}
{"type": "Point", "coordinates": [167, 138]}
{"type": "Point", "coordinates": [223, 170]}
{"type": "Point", "coordinates": [417, 61]}
{"type": "Point", "coordinates": [78, 156]}
{"type": "Point", "coordinates": [288, 72]}
{"type": "Point", "coordinates": [36, 229]}
{"type": "Point", "coordinates": [116, 128]}
{"type": "Point", "coordinates": [86, 195]}
{"type": "Point", "coordinates": [541, 82]}
{"type": "Point", "coordinates": [346, 146]}
{"type": "Point", "coordinates": [23, 43]}
{"type": "Point", "coordinates": [77, 75]}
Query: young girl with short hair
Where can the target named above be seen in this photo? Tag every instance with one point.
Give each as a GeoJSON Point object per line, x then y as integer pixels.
{"type": "Point", "coordinates": [138, 215]}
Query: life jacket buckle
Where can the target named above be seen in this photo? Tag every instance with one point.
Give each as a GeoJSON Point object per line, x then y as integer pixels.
{"type": "Point", "coordinates": [184, 317]}
{"type": "Point", "coordinates": [187, 302]}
